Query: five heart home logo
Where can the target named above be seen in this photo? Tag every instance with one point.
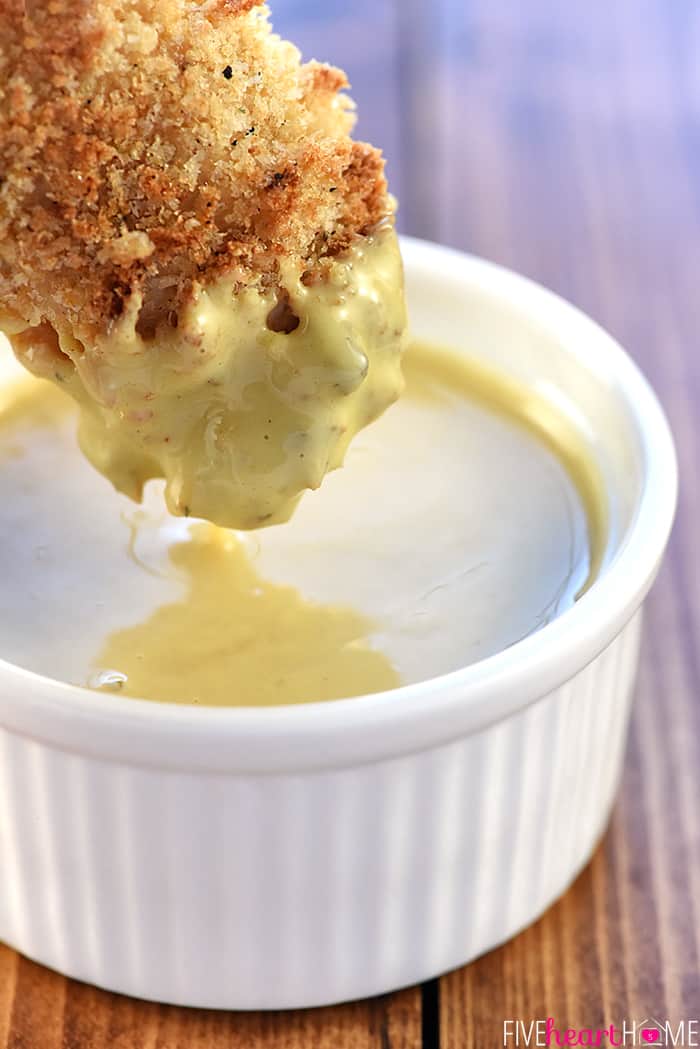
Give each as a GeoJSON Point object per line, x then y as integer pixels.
{"type": "Point", "coordinates": [531, 1034]}
{"type": "Point", "coordinates": [651, 1032]}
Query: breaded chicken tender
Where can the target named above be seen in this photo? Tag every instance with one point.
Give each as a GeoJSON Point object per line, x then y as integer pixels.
{"type": "Point", "coordinates": [194, 247]}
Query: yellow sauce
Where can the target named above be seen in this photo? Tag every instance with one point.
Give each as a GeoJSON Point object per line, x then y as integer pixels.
{"type": "Point", "coordinates": [225, 633]}
{"type": "Point", "coordinates": [438, 374]}
{"type": "Point", "coordinates": [238, 418]}
{"type": "Point", "coordinates": [235, 638]}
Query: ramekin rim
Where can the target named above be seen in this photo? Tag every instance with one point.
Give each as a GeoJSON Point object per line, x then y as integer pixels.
{"type": "Point", "coordinates": [420, 714]}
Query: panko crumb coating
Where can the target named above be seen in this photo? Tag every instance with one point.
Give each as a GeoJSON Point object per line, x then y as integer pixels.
{"type": "Point", "coordinates": [148, 145]}
{"type": "Point", "coordinates": [194, 248]}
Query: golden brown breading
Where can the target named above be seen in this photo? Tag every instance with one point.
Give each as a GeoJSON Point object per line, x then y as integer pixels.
{"type": "Point", "coordinates": [149, 144]}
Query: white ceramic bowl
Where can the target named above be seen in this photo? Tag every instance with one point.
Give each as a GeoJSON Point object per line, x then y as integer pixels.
{"type": "Point", "coordinates": [267, 858]}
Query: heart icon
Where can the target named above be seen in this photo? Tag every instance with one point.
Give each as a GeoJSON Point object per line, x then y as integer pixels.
{"type": "Point", "coordinates": [650, 1034]}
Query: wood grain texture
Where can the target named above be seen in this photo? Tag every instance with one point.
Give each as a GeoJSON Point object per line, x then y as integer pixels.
{"type": "Point", "coordinates": [562, 140]}
{"type": "Point", "coordinates": [579, 165]}
{"type": "Point", "coordinates": [41, 1010]}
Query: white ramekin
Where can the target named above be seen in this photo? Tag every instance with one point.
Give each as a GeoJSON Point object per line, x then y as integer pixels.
{"type": "Point", "coordinates": [267, 858]}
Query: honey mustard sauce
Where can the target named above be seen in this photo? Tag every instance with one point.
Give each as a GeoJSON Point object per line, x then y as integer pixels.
{"type": "Point", "coordinates": [432, 372]}
{"type": "Point", "coordinates": [468, 516]}
{"type": "Point", "coordinates": [233, 632]}
{"type": "Point", "coordinates": [238, 416]}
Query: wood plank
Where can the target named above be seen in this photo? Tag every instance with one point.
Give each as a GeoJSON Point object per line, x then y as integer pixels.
{"type": "Point", "coordinates": [41, 1010]}
{"type": "Point", "coordinates": [570, 136]}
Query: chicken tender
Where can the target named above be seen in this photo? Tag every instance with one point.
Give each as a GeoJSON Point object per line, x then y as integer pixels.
{"type": "Point", "coordinates": [192, 244]}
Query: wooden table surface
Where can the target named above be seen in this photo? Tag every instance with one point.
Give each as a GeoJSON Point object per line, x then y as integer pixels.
{"type": "Point", "coordinates": [561, 139]}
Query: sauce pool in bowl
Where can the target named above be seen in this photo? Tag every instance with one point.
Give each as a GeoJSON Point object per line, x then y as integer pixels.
{"type": "Point", "coordinates": [467, 517]}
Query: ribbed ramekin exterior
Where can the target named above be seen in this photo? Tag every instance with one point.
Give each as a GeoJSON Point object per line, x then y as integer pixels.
{"type": "Point", "coordinates": [271, 891]}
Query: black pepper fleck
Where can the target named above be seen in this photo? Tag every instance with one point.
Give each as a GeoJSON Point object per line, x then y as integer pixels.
{"type": "Point", "coordinates": [228, 72]}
